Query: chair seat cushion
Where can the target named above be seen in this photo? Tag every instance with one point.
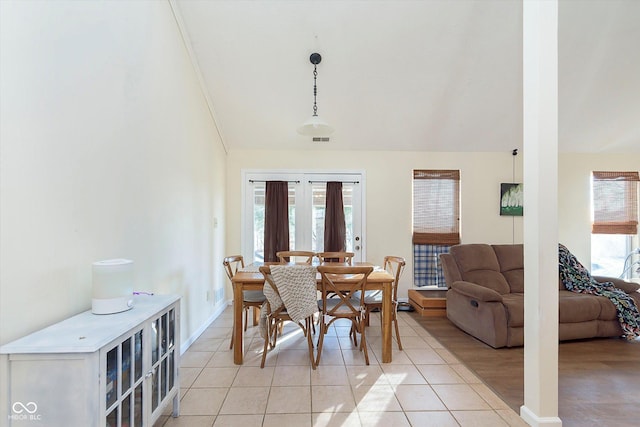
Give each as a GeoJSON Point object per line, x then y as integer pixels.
{"type": "Point", "coordinates": [370, 297]}
{"type": "Point", "coordinates": [253, 296]}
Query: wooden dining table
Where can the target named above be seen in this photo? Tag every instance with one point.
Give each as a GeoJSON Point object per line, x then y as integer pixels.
{"type": "Point", "coordinates": [252, 279]}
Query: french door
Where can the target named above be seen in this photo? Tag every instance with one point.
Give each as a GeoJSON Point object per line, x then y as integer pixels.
{"type": "Point", "coordinates": [307, 195]}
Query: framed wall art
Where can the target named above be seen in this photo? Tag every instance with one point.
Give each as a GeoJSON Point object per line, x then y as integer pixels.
{"type": "Point", "coordinates": [511, 199]}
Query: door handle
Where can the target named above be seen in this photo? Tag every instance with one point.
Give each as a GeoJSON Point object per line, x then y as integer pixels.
{"type": "Point", "coordinates": [151, 373]}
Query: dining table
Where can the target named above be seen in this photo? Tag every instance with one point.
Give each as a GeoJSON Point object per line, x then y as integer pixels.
{"type": "Point", "coordinates": [250, 278]}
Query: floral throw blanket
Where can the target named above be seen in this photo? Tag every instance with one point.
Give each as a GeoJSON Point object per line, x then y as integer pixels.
{"type": "Point", "coordinates": [576, 278]}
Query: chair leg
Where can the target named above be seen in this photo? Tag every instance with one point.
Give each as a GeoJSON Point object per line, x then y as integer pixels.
{"type": "Point", "coordinates": [321, 330]}
{"type": "Point", "coordinates": [246, 314]}
{"type": "Point", "coordinates": [267, 340]}
{"type": "Point", "coordinates": [312, 327]}
{"type": "Point", "coordinates": [352, 335]}
{"type": "Point", "coordinates": [309, 324]}
{"type": "Point", "coordinates": [256, 315]}
{"type": "Point", "coordinates": [273, 332]}
{"type": "Point", "coordinates": [363, 343]}
{"type": "Point", "coordinates": [395, 322]}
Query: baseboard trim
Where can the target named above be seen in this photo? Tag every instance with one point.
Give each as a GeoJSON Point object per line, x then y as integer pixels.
{"type": "Point", "coordinates": [216, 312]}
{"type": "Point", "coordinates": [533, 420]}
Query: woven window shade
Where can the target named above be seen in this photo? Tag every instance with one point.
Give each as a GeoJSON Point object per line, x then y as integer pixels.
{"type": "Point", "coordinates": [436, 207]}
{"type": "Point", "coordinates": [615, 203]}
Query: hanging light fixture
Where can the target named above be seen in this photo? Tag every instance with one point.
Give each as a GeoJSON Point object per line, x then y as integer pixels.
{"type": "Point", "coordinates": [315, 126]}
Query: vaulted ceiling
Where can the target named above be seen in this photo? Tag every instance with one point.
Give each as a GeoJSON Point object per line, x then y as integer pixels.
{"type": "Point", "coordinates": [430, 75]}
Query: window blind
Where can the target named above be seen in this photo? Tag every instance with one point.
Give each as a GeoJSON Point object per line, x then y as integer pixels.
{"type": "Point", "coordinates": [615, 202]}
{"type": "Point", "coordinates": [436, 207]}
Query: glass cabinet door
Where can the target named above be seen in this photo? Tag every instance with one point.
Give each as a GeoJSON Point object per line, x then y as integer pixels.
{"type": "Point", "coordinates": [123, 386]}
{"type": "Point", "coordinates": [140, 372]}
{"type": "Point", "coordinates": [163, 348]}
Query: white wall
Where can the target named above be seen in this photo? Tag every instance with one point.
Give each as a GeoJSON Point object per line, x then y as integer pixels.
{"type": "Point", "coordinates": [107, 150]}
{"type": "Point", "coordinates": [388, 198]}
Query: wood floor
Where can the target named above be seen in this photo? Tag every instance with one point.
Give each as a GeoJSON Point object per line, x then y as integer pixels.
{"type": "Point", "coordinates": [598, 379]}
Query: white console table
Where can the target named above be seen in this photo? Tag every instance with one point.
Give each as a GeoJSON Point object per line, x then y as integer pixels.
{"type": "Point", "coordinates": [115, 370]}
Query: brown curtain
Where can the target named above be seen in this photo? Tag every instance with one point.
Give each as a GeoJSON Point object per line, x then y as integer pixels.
{"type": "Point", "coordinates": [615, 202]}
{"type": "Point", "coordinates": [334, 224]}
{"type": "Point", "coordinates": [276, 219]}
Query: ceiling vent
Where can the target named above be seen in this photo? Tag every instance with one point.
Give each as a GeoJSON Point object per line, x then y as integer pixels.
{"type": "Point", "coordinates": [321, 139]}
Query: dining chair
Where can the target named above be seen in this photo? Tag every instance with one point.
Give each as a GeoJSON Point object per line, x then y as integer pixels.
{"type": "Point", "coordinates": [336, 257]}
{"type": "Point", "coordinates": [291, 292]}
{"type": "Point", "coordinates": [394, 265]}
{"type": "Point", "coordinates": [342, 282]}
{"type": "Point", "coordinates": [306, 257]}
{"type": "Point", "coordinates": [343, 257]}
{"type": "Point", "coordinates": [250, 299]}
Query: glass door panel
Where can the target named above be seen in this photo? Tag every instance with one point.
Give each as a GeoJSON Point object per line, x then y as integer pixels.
{"type": "Point", "coordinates": [307, 195]}
{"type": "Point", "coordinates": [112, 418]}
{"type": "Point", "coordinates": [155, 391]}
{"type": "Point", "coordinates": [155, 338]}
{"type": "Point", "coordinates": [319, 201]}
{"type": "Point", "coordinates": [137, 356]}
{"type": "Point", "coordinates": [171, 370]}
{"type": "Point", "coordinates": [258, 200]}
{"type": "Point", "coordinates": [163, 379]}
{"type": "Point", "coordinates": [126, 365]}
{"type": "Point", "coordinates": [126, 411]}
{"type": "Point", "coordinates": [172, 327]}
{"type": "Point", "coordinates": [137, 406]}
{"type": "Point", "coordinates": [163, 330]}
{"type": "Point", "coordinates": [112, 377]}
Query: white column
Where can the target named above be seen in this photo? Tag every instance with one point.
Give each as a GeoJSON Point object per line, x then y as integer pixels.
{"type": "Point", "coordinates": [540, 127]}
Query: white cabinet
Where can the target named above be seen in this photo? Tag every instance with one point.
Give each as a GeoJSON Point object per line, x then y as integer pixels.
{"type": "Point", "coordinates": [115, 370]}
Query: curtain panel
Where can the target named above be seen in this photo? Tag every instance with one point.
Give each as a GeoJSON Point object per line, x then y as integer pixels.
{"type": "Point", "coordinates": [276, 219]}
{"type": "Point", "coordinates": [427, 270]}
{"type": "Point", "coordinates": [334, 222]}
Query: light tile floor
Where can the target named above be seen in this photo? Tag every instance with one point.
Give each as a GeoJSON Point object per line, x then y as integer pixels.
{"type": "Point", "coordinates": [424, 385]}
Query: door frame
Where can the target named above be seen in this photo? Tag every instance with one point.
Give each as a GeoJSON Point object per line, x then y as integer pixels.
{"type": "Point", "coordinates": [246, 233]}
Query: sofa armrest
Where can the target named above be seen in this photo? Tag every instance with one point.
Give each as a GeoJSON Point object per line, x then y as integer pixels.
{"type": "Point", "coordinates": [628, 287]}
{"type": "Point", "coordinates": [475, 291]}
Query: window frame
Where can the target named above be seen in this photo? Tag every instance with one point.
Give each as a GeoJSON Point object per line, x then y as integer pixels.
{"type": "Point", "coordinates": [430, 235]}
{"type": "Point", "coordinates": [614, 202]}
{"type": "Point", "coordinates": [430, 230]}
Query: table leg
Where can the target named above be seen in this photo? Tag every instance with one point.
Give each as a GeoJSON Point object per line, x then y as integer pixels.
{"type": "Point", "coordinates": [238, 341]}
{"type": "Point", "coordinates": [385, 312]}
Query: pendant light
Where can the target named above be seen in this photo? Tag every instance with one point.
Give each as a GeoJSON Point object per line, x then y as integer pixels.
{"type": "Point", "coordinates": [315, 126]}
